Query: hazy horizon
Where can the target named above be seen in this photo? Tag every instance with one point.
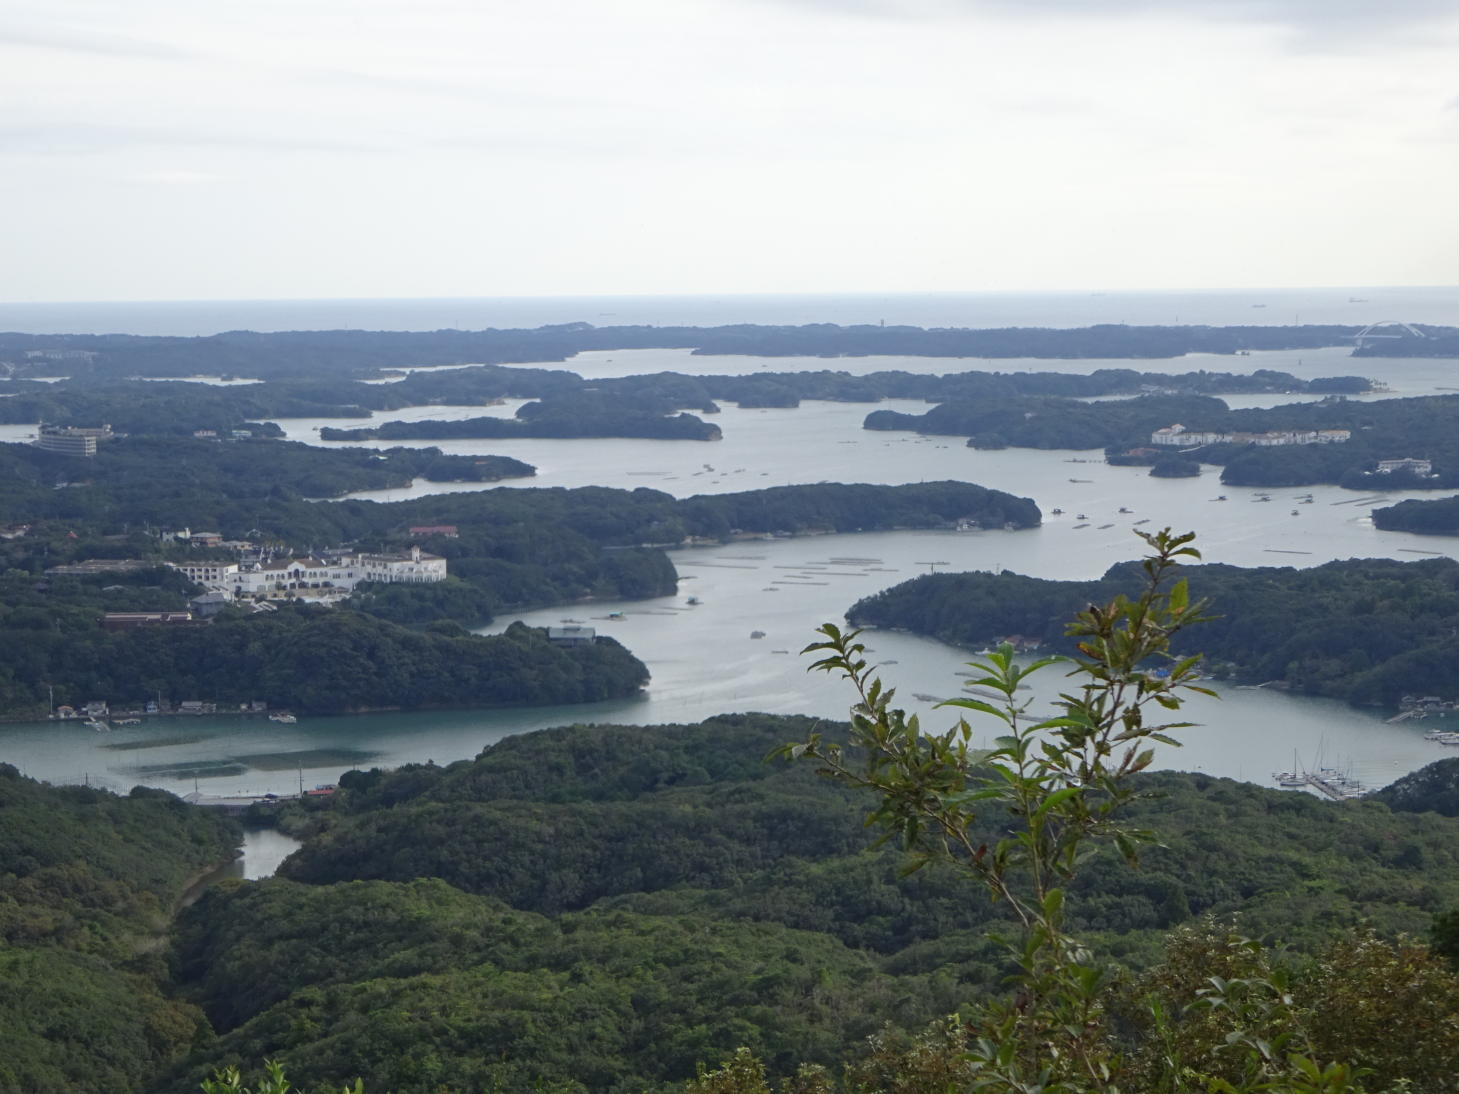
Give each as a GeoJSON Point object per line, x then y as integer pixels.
{"type": "Point", "coordinates": [1148, 290]}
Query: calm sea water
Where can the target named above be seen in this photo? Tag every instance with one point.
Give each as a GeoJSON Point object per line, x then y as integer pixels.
{"type": "Point", "coordinates": [1070, 309]}
{"type": "Point", "coordinates": [703, 658]}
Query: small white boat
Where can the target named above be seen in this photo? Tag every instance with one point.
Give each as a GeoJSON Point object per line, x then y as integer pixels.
{"type": "Point", "coordinates": [98, 724]}
{"type": "Point", "coordinates": [283, 717]}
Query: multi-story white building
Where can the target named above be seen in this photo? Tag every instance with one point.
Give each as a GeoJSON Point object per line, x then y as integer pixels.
{"type": "Point", "coordinates": [417, 567]}
{"type": "Point", "coordinates": [334, 576]}
{"type": "Point", "coordinates": [1179, 436]}
{"type": "Point", "coordinates": [1407, 463]}
{"type": "Point", "coordinates": [212, 574]}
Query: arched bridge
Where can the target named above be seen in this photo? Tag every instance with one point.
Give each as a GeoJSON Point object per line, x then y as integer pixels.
{"type": "Point", "coordinates": [1386, 328]}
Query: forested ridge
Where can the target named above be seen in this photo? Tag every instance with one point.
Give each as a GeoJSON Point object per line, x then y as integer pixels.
{"type": "Point", "coordinates": [88, 881]}
{"type": "Point", "coordinates": [1368, 631]}
{"type": "Point", "coordinates": [605, 908]}
{"type": "Point", "coordinates": [356, 353]}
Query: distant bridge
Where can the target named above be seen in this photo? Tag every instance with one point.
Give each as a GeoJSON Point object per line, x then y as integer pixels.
{"type": "Point", "coordinates": [1386, 328]}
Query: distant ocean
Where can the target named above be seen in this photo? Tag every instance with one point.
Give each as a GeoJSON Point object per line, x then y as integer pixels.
{"type": "Point", "coordinates": [1069, 309]}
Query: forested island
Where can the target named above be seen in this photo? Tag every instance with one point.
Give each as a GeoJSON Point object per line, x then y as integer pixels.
{"type": "Point", "coordinates": [1368, 631]}
{"type": "Point", "coordinates": [601, 908]}
{"type": "Point", "coordinates": [575, 415]}
{"type": "Point", "coordinates": [1425, 427]}
{"type": "Point", "coordinates": [364, 354]}
{"type": "Point", "coordinates": [564, 404]}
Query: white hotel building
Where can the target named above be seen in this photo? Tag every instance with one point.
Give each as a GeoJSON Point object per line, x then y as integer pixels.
{"type": "Point", "coordinates": [314, 577]}
{"type": "Point", "coordinates": [1179, 436]}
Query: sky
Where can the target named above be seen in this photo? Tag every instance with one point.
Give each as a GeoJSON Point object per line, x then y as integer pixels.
{"type": "Point", "coordinates": [275, 149]}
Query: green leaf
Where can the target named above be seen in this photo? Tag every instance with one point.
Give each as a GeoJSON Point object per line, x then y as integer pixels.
{"type": "Point", "coordinates": [973, 704]}
{"type": "Point", "coordinates": [1058, 797]}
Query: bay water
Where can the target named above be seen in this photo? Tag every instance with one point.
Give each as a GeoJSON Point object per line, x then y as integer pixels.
{"type": "Point", "coordinates": [703, 657]}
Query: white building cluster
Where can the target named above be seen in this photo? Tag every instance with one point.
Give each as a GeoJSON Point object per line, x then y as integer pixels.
{"type": "Point", "coordinates": [325, 579]}
{"type": "Point", "coordinates": [1179, 436]}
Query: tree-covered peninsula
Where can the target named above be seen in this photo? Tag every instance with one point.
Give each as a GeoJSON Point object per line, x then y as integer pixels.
{"type": "Point", "coordinates": [311, 659]}
{"type": "Point", "coordinates": [575, 415]}
{"type": "Point", "coordinates": [187, 481]}
{"type": "Point", "coordinates": [387, 645]}
{"type": "Point", "coordinates": [1368, 631]}
{"type": "Point", "coordinates": [1436, 517]}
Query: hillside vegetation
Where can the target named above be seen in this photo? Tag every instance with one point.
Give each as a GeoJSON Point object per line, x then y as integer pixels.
{"type": "Point", "coordinates": [88, 882]}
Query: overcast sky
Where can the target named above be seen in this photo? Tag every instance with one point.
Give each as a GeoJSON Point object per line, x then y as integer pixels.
{"type": "Point", "coordinates": [171, 149]}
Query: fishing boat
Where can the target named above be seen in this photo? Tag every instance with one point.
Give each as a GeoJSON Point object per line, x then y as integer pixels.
{"type": "Point", "coordinates": [283, 717]}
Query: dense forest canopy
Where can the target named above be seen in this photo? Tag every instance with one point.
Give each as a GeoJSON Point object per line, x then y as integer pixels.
{"type": "Point", "coordinates": [88, 882]}
{"type": "Point", "coordinates": [675, 896]}
{"type": "Point", "coordinates": [1365, 630]}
